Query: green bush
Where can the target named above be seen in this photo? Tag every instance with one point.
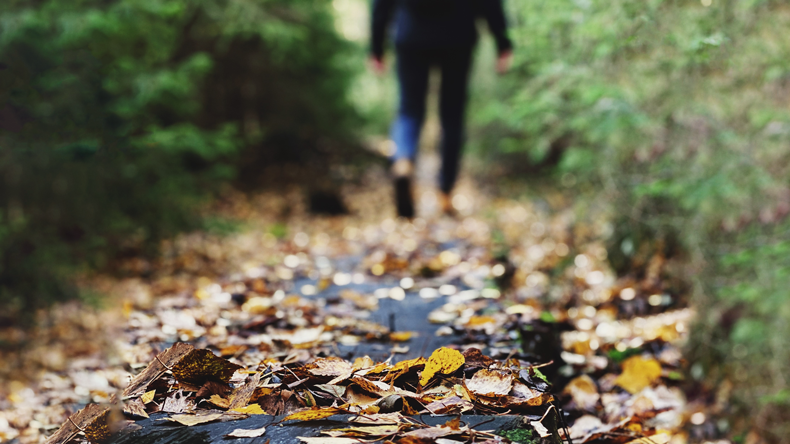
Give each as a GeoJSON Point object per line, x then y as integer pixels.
{"type": "Point", "coordinates": [678, 113]}
{"type": "Point", "coordinates": [119, 117]}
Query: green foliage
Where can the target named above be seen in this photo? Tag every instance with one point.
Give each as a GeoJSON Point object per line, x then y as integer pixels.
{"type": "Point", "coordinates": [524, 436]}
{"type": "Point", "coordinates": [678, 113]}
{"type": "Point", "coordinates": [119, 117]}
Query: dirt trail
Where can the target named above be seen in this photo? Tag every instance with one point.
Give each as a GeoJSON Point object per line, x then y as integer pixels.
{"type": "Point", "coordinates": [517, 278]}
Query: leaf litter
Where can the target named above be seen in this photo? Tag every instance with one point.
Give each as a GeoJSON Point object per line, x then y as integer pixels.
{"type": "Point", "coordinates": [252, 306]}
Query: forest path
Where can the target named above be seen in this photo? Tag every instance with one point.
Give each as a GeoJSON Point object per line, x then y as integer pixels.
{"type": "Point", "coordinates": [522, 278]}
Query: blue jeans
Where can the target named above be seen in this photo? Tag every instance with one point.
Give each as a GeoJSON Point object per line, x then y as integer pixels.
{"type": "Point", "coordinates": [413, 67]}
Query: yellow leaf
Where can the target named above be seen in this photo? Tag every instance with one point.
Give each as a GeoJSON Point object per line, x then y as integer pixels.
{"type": "Point", "coordinates": [400, 336]}
{"type": "Point", "coordinates": [444, 361]}
{"type": "Point", "coordinates": [638, 373]}
{"type": "Point", "coordinates": [148, 396]}
{"type": "Point", "coordinates": [252, 409]}
{"type": "Point", "coordinates": [312, 415]}
{"type": "Point", "coordinates": [364, 362]}
{"type": "Point", "coordinates": [219, 401]}
{"type": "Point", "coordinates": [404, 365]}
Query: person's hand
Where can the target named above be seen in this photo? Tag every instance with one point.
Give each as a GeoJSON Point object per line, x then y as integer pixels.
{"type": "Point", "coordinates": [504, 61]}
{"type": "Point", "coordinates": [377, 65]}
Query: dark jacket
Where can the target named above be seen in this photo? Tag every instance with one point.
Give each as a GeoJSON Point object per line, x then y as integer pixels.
{"type": "Point", "coordinates": [436, 24]}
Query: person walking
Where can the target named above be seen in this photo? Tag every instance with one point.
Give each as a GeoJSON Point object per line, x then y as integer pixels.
{"type": "Point", "coordinates": [432, 33]}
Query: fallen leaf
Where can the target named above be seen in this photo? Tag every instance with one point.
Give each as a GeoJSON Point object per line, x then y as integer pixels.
{"type": "Point", "coordinates": [435, 432]}
{"type": "Point", "coordinates": [219, 401]}
{"type": "Point", "coordinates": [177, 402]}
{"type": "Point", "coordinates": [490, 383]}
{"type": "Point", "coordinates": [584, 392]}
{"type": "Point", "coordinates": [247, 433]}
{"type": "Point", "coordinates": [163, 362]}
{"type": "Point", "coordinates": [401, 336]}
{"type": "Point", "coordinates": [83, 420]}
{"type": "Point", "coordinates": [335, 390]}
{"type": "Point", "coordinates": [135, 407]}
{"type": "Point", "coordinates": [451, 405]}
{"type": "Point", "coordinates": [241, 396]}
{"type": "Point", "coordinates": [444, 361]}
{"type": "Point", "coordinates": [148, 396]}
{"type": "Point", "coordinates": [202, 365]}
{"type": "Point", "coordinates": [313, 414]}
{"type": "Point", "coordinates": [379, 418]}
{"type": "Point", "coordinates": [252, 409]}
{"type": "Point", "coordinates": [331, 366]}
{"type": "Point", "coordinates": [474, 358]}
{"type": "Point", "coordinates": [638, 373]}
{"type": "Point", "coordinates": [363, 362]}
{"type": "Point", "coordinates": [192, 420]}
{"type": "Point", "coordinates": [540, 428]}
{"type": "Point", "coordinates": [366, 431]}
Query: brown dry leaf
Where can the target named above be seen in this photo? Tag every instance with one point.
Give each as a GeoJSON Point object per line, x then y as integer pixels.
{"type": "Point", "coordinates": [331, 366]}
{"type": "Point", "coordinates": [379, 418]}
{"type": "Point", "coordinates": [365, 431]}
{"type": "Point", "coordinates": [252, 409]}
{"type": "Point", "coordinates": [213, 388]}
{"type": "Point", "coordinates": [523, 396]}
{"type": "Point", "coordinates": [192, 420]}
{"type": "Point", "coordinates": [370, 386]}
{"type": "Point", "coordinates": [156, 368]}
{"type": "Point", "coordinates": [357, 396]}
{"type": "Point", "coordinates": [135, 407]}
{"type": "Point", "coordinates": [490, 383]}
{"type": "Point", "coordinates": [219, 401]}
{"type": "Point", "coordinates": [148, 396]}
{"type": "Point", "coordinates": [638, 373]}
{"type": "Point", "coordinates": [584, 392]}
{"type": "Point", "coordinates": [202, 365]}
{"type": "Point", "coordinates": [241, 396]}
{"type": "Point", "coordinates": [93, 417]}
{"type": "Point", "coordinates": [313, 414]}
{"type": "Point", "coordinates": [435, 432]}
{"type": "Point", "coordinates": [444, 361]}
{"type": "Point", "coordinates": [450, 405]}
{"type": "Point", "coordinates": [247, 433]}
{"type": "Point", "coordinates": [474, 358]}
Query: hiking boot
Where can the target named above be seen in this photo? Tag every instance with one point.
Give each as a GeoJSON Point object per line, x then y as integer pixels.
{"type": "Point", "coordinates": [403, 199]}
{"type": "Point", "coordinates": [401, 171]}
{"type": "Point", "coordinates": [446, 205]}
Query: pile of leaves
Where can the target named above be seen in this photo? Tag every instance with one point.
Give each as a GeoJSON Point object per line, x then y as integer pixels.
{"type": "Point", "coordinates": [195, 386]}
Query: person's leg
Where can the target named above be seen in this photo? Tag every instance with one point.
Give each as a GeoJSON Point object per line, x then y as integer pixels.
{"type": "Point", "coordinates": [455, 65]}
{"type": "Point", "coordinates": [413, 66]}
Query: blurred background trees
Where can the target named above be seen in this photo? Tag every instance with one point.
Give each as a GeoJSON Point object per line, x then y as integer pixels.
{"type": "Point", "coordinates": [119, 117]}
{"type": "Point", "coordinates": [677, 113]}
